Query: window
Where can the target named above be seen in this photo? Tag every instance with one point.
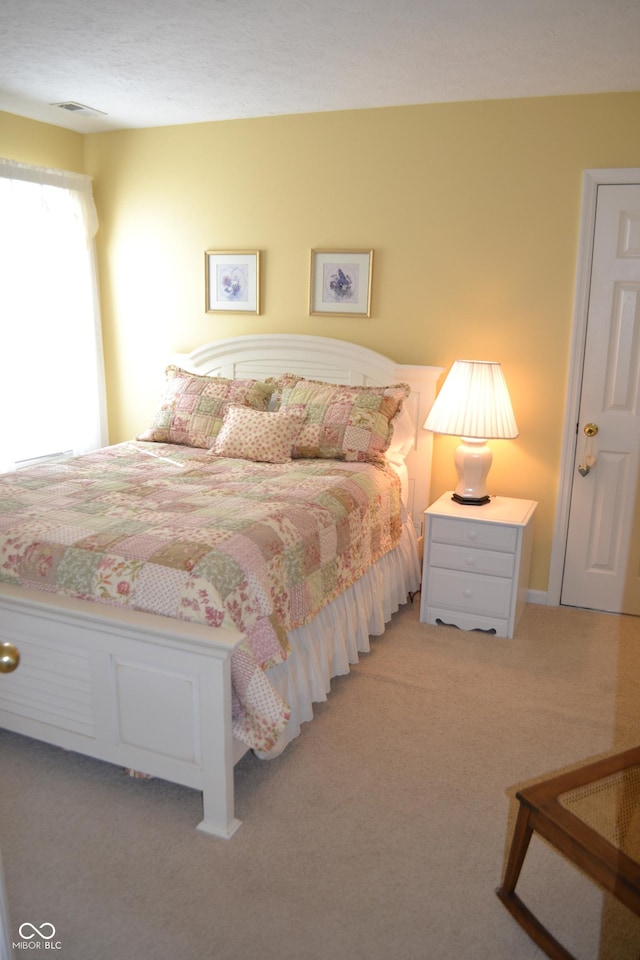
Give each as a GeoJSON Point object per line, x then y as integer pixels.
{"type": "Point", "coordinates": [51, 377]}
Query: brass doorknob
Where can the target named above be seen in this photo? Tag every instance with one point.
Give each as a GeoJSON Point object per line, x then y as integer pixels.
{"type": "Point", "coordinates": [9, 657]}
{"type": "Point", "coordinates": [591, 429]}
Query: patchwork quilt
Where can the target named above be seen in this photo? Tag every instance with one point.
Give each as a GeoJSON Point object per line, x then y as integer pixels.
{"type": "Point", "coordinates": [172, 530]}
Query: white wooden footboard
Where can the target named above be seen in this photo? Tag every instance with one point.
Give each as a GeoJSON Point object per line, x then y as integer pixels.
{"type": "Point", "coordinates": [134, 689]}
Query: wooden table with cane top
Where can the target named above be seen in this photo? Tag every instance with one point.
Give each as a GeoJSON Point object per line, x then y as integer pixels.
{"type": "Point", "coordinates": [591, 815]}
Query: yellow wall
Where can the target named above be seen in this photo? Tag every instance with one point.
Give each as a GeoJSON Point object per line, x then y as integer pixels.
{"type": "Point", "coordinates": [472, 210]}
{"type": "Point", "coordinates": [31, 142]}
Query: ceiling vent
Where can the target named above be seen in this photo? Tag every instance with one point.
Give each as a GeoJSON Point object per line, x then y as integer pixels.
{"type": "Point", "coordinates": [81, 108]}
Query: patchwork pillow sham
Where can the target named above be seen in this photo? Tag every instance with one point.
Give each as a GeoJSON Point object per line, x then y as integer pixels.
{"type": "Point", "coordinates": [344, 422]}
{"type": "Point", "coordinates": [263, 436]}
{"type": "Point", "coordinates": [193, 406]}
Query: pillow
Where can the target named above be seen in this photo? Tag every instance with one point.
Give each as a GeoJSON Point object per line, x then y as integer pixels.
{"type": "Point", "coordinates": [279, 383]}
{"type": "Point", "coordinates": [344, 422]}
{"type": "Point", "coordinates": [192, 407]}
{"type": "Point", "coordinates": [264, 436]}
{"type": "Point", "coordinates": [404, 436]}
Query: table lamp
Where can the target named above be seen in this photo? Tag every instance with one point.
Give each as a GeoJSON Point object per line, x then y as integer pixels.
{"type": "Point", "coordinates": [474, 405]}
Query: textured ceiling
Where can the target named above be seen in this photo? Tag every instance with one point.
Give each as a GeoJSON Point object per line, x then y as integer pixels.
{"type": "Point", "coordinates": [157, 62]}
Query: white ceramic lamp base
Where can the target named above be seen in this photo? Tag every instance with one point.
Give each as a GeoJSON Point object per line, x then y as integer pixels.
{"type": "Point", "coordinates": [473, 459]}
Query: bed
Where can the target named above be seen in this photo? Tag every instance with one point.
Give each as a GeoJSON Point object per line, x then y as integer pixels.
{"type": "Point", "coordinates": [177, 696]}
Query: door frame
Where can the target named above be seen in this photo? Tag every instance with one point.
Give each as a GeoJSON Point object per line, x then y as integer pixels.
{"type": "Point", "coordinates": [592, 179]}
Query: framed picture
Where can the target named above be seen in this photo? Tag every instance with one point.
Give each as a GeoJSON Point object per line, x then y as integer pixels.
{"type": "Point", "coordinates": [232, 281]}
{"type": "Point", "coordinates": [340, 282]}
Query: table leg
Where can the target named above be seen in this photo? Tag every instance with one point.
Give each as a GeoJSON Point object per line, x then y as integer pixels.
{"type": "Point", "coordinates": [506, 893]}
{"type": "Point", "coordinates": [517, 852]}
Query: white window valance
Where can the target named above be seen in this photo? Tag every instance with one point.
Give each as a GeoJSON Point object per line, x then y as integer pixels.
{"type": "Point", "coordinates": [79, 183]}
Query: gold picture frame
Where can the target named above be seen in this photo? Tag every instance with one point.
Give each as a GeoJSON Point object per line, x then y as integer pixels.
{"type": "Point", "coordinates": [340, 283]}
{"type": "Point", "coordinates": [232, 281]}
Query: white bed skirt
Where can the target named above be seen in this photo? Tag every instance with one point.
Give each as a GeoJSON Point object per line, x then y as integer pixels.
{"type": "Point", "coordinates": [327, 646]}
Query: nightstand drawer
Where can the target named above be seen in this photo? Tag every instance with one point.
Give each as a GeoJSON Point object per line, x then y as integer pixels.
{"type": "Point", "coordinates": [473, 592]}
{"type": "Point", "coordinates": [471, 560]}
{"type": "Point", "coordinates": [490, 536]}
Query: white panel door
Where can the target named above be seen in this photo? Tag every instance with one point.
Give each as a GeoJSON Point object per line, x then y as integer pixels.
{"type": "Point", "coordinates": [602, 560]}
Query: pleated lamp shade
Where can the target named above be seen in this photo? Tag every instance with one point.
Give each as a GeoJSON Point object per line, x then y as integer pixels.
{"type": "Point", "coordinates": [473, 404]}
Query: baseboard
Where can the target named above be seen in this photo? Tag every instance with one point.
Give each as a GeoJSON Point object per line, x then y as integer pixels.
{"type": "Point", "coordinates": [537, 596]}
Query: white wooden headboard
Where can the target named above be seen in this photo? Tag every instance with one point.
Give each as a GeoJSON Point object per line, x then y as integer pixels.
{"type": "Point", "coordinates": [336, 361]}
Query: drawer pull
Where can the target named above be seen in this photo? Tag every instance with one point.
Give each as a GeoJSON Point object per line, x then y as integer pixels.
{"type": "Point", "coordinates": [470, 561]}
{"type": "Point", "coordinates": [467, 592]}
{"type": "Point", "coordinates": [472, 535]}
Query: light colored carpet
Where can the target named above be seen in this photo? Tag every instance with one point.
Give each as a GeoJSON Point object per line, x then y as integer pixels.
{"type": "Point", "coordinates": [380, 833]}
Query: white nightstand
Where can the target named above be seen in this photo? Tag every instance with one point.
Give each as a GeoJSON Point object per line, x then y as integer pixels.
{"type": "Point", "coordinates": [475, 571]}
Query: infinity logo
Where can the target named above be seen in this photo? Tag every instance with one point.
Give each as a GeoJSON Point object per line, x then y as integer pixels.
{"type": "Point", "coordinates": [39, 931]}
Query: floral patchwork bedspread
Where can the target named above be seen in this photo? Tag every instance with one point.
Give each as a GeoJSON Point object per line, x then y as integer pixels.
{"type": "Point", "coordinates": [171, 530]}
